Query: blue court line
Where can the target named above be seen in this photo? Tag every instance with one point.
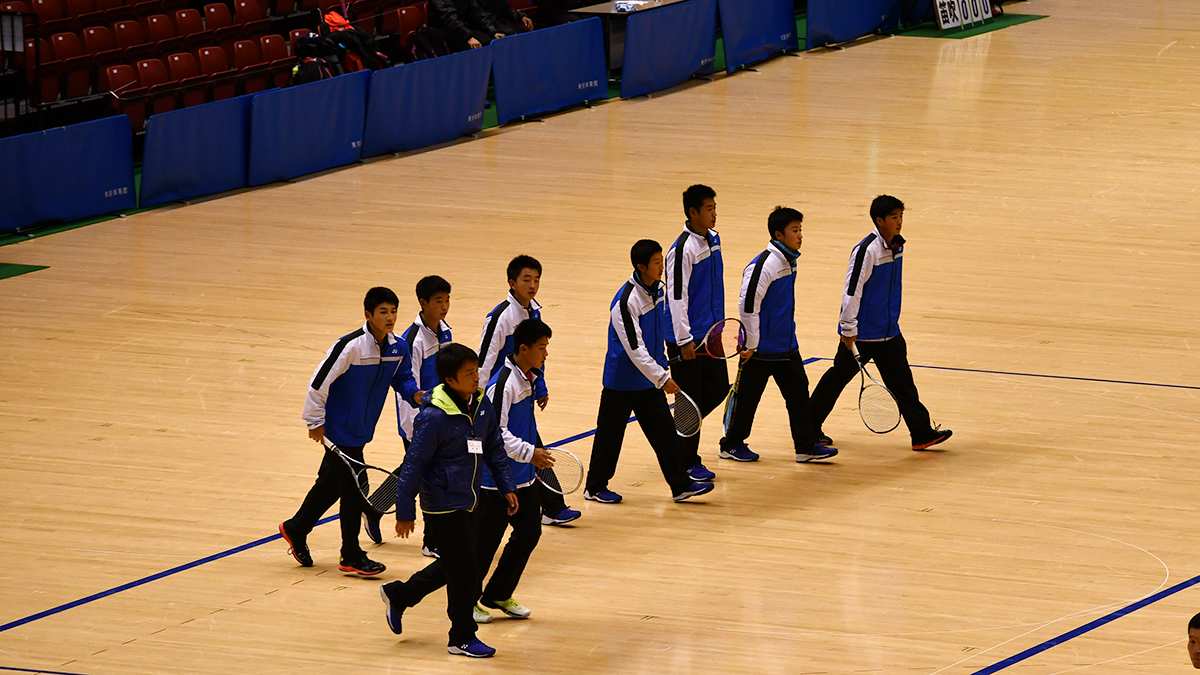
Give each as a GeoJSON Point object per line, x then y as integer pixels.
{"type": "Point", "coordinates": [31, 670]}
{"type": "Point", "coordinates": [145, 580]}
{"type": "Point", "coordinates": [1087, 627]}
{"type": "Point", "coordinates": [1047, 377]}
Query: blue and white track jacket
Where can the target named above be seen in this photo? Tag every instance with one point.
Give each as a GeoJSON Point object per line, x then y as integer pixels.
{"type": "Point", "coordinates": [767, 304]}
{"type": "Point", "coordinates": [694, 276]}
{"type": "Point", "coordinates": [348, 390]}
{"type": "Point", "coordinates": [425, 345]}
{"type": "Point", "coordinates": [637, 331]}
{"type": "Point", "coordinates": [871, 300]}
{"type": "Point", "coordinates": [511, 394]}
{"type": "Point", "coordinates": [497, 342]}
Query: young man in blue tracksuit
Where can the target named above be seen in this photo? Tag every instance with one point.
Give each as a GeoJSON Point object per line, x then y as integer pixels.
{"type": "Point", "coordinates": [511, 393]}
{"type": "Point", "coordinates": [524, 279]}
{"type": "Point", "coordinates": [870, 318]}
{"type": "Point", "coordinates": [636, 380]}
{"type": "Point", "coordinates": [767, 307]}
{"type": "Point", "coordinates": [345, 397]}
{"type": "Point", "coordinates": [695, 303]}
{"type": "Point", "coordinates": [425, 337]}
{"type": "Point", "coordinates": [454, 437]}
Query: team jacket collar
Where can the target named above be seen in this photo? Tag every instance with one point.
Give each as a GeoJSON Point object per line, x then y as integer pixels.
{"type": "Point", "coordinates": [534, 373]}
{"type": "Point", "coordinates": [390, 337]}
{"type": "Point", "coordinates": [709, 238]}
{"type": "Point", "coordinates": [448, 402]}
{"type": "Point", "coordinates": [897, 241]}
{"type": "Point", "coordinates": [442, 327]}
{"type": "Point", "coordinates": [652, 291]}
{"type": "Point", "coordinates": [533, 303]}
{"type": "Point", "coordinates": [788, 254]}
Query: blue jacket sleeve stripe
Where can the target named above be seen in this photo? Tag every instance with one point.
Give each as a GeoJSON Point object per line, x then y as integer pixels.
{"type": "Point", "coordinates": [319, 379]}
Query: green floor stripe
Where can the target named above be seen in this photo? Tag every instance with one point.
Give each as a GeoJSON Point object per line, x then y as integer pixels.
{"type": "Point", "coordinates": [1002, 21]}
{"type": "Point", "coordinates": [13, 270]}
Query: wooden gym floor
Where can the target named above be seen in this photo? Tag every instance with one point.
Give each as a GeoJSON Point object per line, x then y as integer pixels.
{"type": "Point", "coordinates": [152, 380]}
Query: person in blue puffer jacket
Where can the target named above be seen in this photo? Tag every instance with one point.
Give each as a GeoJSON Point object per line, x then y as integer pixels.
{"type": "Point", "coordinates": [453, 438]}
{"type": "Point", "coordinates": [870, 320]}
{"type": "Point", "coordinates": [767, 307]}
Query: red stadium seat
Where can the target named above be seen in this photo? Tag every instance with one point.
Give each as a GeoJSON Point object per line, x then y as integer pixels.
{"type": "Point", "coordinates": [217, 16]}
{"type": "Point", "coordinates": [131, 41]}
{"type": "Point", "coordinates": [364, 14]}
{"type": "Point", "coordinates": [51, 71]}
{"type": "Point", "coordinates": [283, 7]}
{"type": "Point", "coordinates": [274, 51]}
{"type": "Point", "coordinates": [295, 36]}
{"type": "Point", "coordinates": [246, 11]}
{"type": "Point", "coordinates": [161, 32]}
{"type": "Point", "coordinates": [224, 81]}
{"type": "Point", "coordinates": [75, 64]}
{"type": "Point", "coordinates": [190, 26]}
{"type": "Point", "coordinates": [131, 98]}
{"type": "Point", "coordinates": [252, 72]}
{"type": "Point", "coordinates": [193, 85]}
{"type": "Point", "coordinates": [114, 11]}
{"type": "Point", "coordinates": [152, 74]}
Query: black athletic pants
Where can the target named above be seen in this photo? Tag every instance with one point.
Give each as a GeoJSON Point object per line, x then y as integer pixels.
{"type": "Point", "coordinates": [654, 416]}
{"type": "Point", "coordinates": [334, 482]}
{"type": "Point", "coordinates": [457, 569]}
{"type": "Point", "coordinates": [891, 358]}
{"type": "Point", "coordinates": [706, 380]}
{"type": "Point", "coordinates": [491, 522]}
{"type": "Point", "coordinates": [792, 381]}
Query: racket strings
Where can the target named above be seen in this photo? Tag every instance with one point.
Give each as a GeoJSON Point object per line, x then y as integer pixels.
{"type": "Point", "coordinates": [687, 416]}
{"type": "Point", "coordinates": [878, 408]}
{"type": "Point", "coordinates": [726, 339]}
{"type": "Point", "coordinates": [566, 475]}
{"type": "Point", "coordinates": [383, 499]}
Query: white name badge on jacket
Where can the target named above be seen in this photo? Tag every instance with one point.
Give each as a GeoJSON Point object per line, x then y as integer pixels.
{"type": "Point", "coordinates": [474, 446]}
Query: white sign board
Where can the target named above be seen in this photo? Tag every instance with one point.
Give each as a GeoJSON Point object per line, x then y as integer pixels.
{"type": "Point", "coordinates": [948, 15]}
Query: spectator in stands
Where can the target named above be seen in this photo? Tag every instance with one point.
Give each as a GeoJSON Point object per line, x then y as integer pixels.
{"type": "Point", "coordinates": [509, 20]}
{"type": "Point", "coordinates": [467, 25]}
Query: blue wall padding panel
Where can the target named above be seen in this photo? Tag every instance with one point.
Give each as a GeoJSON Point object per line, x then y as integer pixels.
{"type": "Point", "coordinates": [196, 151]}
{"type": "Point", "coordinates": [67, 173]}
{"type": "Point", "coordinates": [427, 102]}
{"type": "Point", "coordinates": [666, 46]}
{"type": "Point", "coordinates": [549, 69]}
{"type": "Point", "coordinates": [836, 21]}
{"type": "Point", "coordinates": [753, 30]}
{"type": "Point", "coordinates": [307, 128]}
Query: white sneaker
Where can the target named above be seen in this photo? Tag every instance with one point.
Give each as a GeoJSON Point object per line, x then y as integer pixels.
{"type": "Point", "coordinates": [429, 552]}
{"type": "Point", "coordinates": [512, 608]}
{"type": "Point", "coordinates": [481, 615]}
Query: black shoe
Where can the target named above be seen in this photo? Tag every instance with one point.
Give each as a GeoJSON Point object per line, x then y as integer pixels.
{"type": "Point", "coordinates": [824, 439]}
{"type": "Point", "coordinates": [363, 567]}
{"type": "Point", "coordinates": [393, 603]}
{"type": "Point", "coordinates": [939, 436]}
{"type": "Point", "coordinates": [299, 547]}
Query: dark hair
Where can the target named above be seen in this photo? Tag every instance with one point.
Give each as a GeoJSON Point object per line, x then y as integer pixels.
{"type": "Point", "coordinates": [1194, 623]}
{"type": "Point", "coordinates": [523, 262]}
{"type": "Point", "coordinates": [643, 251]}
{"type": "Point", "coordinates": [780, 218]}
{"type": "Point", "coordinates": [379, 296]}
{"type": "Point", "coordinates": [528, 332]}
{"type": "Point", "coordinates": [883, 205]}
{"type": "Point", "coordinates": [451, 358]}
{"type": "Point", "coordinates": [429, 286]}
{"type": "Point", "coordinates": [693, 198]}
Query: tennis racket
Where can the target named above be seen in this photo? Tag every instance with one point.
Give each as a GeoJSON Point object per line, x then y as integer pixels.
{"type": "Point", "coordinates": [725, 340]}
{"type": "Point", "coordinates": [687, 415]}
{"type": "Point", "coordinates": [383, 499]}
{"type": "Point", "coordinates": [731, 402]}
{"type": "Point", "coordinates": [565, 476]}
{"type": "Point", "coordinates": [876, 405]}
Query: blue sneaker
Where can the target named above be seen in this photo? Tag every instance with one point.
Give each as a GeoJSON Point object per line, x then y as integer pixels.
{"type": "Point", "coordinates": [816, 453]}
{"type": "Point", "coordinates": [395, 607]}
{"type": "Point", "coordinates": [371, 525]}
{"type": "Point", "coordinates": [602, 496]}
{"type": "Point", "coordinates": [700, 473]}
{"type": "Point", "coordinates": [695, 490]}
{"type": "Point", "coordinates": [474, 649]}
{"type": "Point", "coordinates": [565, 516]}
{"type": "Point", "coordinates": [740, 453]}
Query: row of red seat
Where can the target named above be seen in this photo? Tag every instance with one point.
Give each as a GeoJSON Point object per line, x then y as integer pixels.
{"type": "Point", "coordinates": [184, 80]}
{"type": "Point", "coordinates": [57, 16]}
